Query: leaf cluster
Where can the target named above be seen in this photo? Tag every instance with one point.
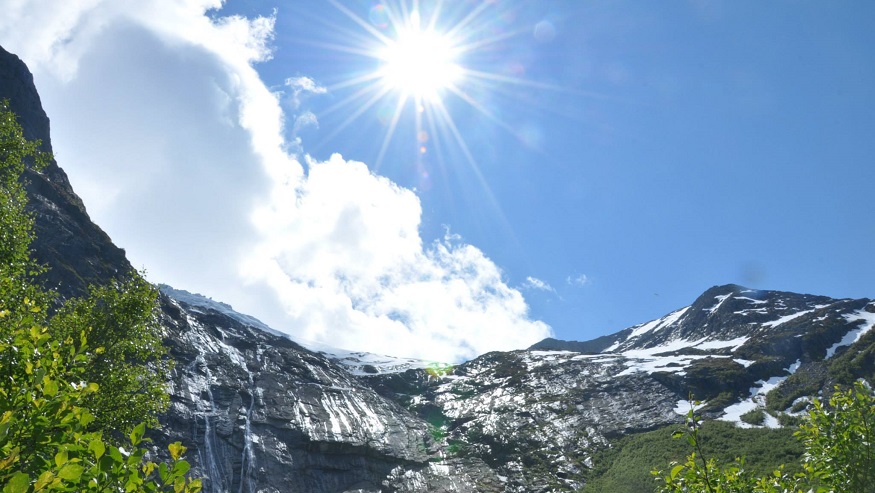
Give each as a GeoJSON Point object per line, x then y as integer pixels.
{"type": "Point", "coordinates": [70, 380]}
{"type": "Point", "coordinates": [839, 454]}
{"type": "Point", "coordinates": [45, 438]}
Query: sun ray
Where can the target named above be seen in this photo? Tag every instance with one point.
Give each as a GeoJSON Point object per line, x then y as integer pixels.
{"type": "Point", "coordinates": [483, 110]}
{"type": "Point", "coordinates": [447, 121]}
{"type": "Point", "coordinates": [399, 109]}
{"type": "Point", "coordinates": [456, 30]}
{"type": "Point", "coordinates": [358, 112]}
{"type": "Point", "coordinates": [420, 61]}
{"type": "Point", "coordinates": [361, 22]}
{"type": "Point", "coordinates": [354, 98]}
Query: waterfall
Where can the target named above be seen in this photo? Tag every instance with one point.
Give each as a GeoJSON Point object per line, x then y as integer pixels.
{"type": "Point", "coordinates": [209, 459]}
{"type": "Point", "coordinates": [248, 459]}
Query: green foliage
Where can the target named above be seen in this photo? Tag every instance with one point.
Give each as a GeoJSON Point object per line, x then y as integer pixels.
{"type": "Point", "coordinates": [754, 417]}
{"type": "Point", "coordinates": [15, 224]}
{"type": "Point", "coordinates": [57, 372]}
{"type": "Point", "coordinates": [626, 466]}
{"type": "Point", "coordinates": [45, 438]}
{"type": "Point", "coordinates": [839, 438]}
{"type": "Point", "coordinates": [132, 368]}
{"type": "Point", "coordinates": [839, 454]}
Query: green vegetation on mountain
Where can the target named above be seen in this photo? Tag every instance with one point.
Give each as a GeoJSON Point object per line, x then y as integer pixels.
{"type": "Point", "coordinates": [626, 466]}
{"type": "Point", "coordinates": [77, 380]}
{"type": "Point", "coordinates": [839, 454]}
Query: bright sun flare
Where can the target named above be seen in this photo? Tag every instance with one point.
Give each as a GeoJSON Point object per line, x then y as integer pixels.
{"type": "Point", "coordinates": [419, 62]}
{"type": "Point", "coordinates": [429, 56]}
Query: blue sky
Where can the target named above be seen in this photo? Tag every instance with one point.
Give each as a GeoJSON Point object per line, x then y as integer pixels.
{"type": "Point", "coordinates": [614, 159]}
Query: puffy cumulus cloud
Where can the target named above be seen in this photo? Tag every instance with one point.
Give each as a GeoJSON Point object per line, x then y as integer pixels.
{"type": "Point", "coordinates": [344, 256]}
{"type": "Point", "coordinates": [178, 149]}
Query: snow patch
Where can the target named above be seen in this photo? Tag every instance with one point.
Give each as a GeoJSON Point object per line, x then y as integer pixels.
{"type": "Point", "coordinates": [683, 406]}
{"type": "Point", "coordinates": [751, 300]}
{"type": "Point", "coordinates": [786, 318]}
{"type": "Point", "coordinates": [757, 399]}
{"type": "Point", "coordinates": [854, 335]}
{"type": "Point", "coordinates": [199, 300]}
{"type": "Point", "coordinates": [720, 299]}
{"type": "Point", "coordinates": [653, 325]}
{"type": "Point", "coordinates": [733, 343]}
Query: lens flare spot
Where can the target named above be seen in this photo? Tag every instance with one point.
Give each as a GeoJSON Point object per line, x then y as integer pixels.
{"type": "Point", "coordinates": [422, 136]}
{"type": "Point", "coordinates": [544, 31]}
{"type": "Point", "coordinates": [379, 16]}
{"type": "Point", "coordinates": [439, 370]}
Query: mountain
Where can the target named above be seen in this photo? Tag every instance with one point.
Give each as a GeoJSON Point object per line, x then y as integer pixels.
{"type": "Point", "coordinates": [537, 415]}
{"type": "Point", "coordinates": [260, 412]}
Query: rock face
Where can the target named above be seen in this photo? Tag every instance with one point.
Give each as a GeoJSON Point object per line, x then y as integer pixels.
{"type": "Point", "coordinates": [79, 252]}
{"type": "Point", "coordinates": [269, 415]}
{"type": "Point", "coordinates": [261, 413]}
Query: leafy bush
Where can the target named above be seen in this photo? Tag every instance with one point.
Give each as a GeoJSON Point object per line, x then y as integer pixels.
{"type": "Point", "coordinates": [839, 454]}
{"type": "Point", "coordinates": [754, 417]}
{"type": "Point", "coordinates": [67, 378]}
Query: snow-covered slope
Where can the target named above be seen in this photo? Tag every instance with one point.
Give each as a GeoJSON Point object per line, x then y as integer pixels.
{"type": "Point", "coordinates": [357, 362]}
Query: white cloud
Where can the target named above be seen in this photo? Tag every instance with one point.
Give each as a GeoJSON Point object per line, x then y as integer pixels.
{"type": "Point", "coordinates": [177, 148]}
{"type": "Point", "coordinates": [535, 283]}
{"type": "Point", "coordinates": [579, 280]}
{"type": "Point", "coordinates": [303, 86]}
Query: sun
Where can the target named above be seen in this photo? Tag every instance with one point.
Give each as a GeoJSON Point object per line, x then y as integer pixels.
{"type": "Point", "coordinates": [439, 58]}
{"type": "Point", "coordinates": [419, 62]}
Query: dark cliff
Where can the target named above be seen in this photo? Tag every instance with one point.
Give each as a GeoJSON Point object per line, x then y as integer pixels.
{"type": "Point", "coordinates": [79, 252]}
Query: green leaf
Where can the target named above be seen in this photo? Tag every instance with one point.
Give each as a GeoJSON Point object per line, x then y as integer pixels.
{"type": "Point", "coordinates": [116, 455]}
{"type": "Point", "coordinates": [675, 470]}
{"type": "Point", "coordinates": [19, 483]}
{"type": "Point", "coordinates": [97, 448]}
{"type": "Point", "coordinates": [44, 480]}
{"type": "Point", "coordinates": [180, 468]}
{"type": "Point", "coordinates": [176, 450]}
{"type": "Point", "coordinates": [195, 486]}
{"type": "Point", "coordinates": [137, 435]}
{"type": "Point", "coordinates": [50, 387]}
{"type": "Point", "coordinates": [71, 472]}
{"type": "Point", "coordinates": [61, 458]}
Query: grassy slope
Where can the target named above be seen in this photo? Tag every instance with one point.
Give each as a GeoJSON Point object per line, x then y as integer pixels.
{"type": "Point", "coordinates": [625, 468]}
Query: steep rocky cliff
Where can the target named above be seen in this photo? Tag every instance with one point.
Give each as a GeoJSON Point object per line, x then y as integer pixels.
{"type": "Point", "coordinates": [78, 251]}
{"type": "Point", "coordinates": [266, 414]}
{"type": "Point", "coordinates": [262, 413]}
